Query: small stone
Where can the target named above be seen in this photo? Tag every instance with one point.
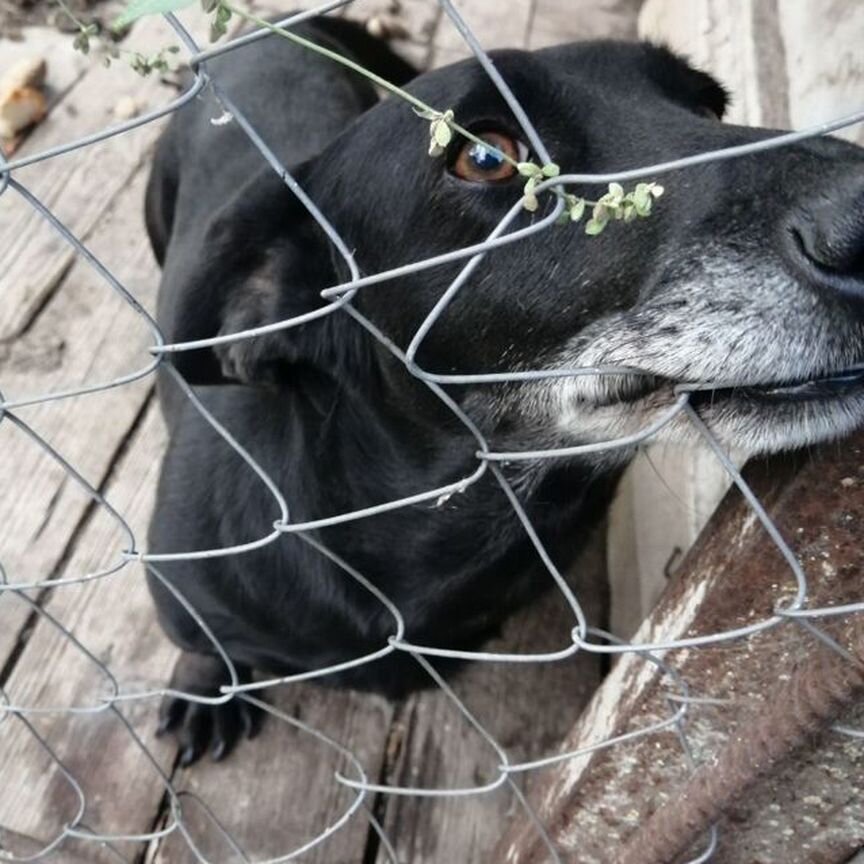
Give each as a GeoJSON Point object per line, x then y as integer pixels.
{"type": "Point", "coordinates": [22, 102]}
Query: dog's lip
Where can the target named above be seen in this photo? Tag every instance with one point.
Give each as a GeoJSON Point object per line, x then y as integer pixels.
{"type": "Point", "coordinates": [824, 386]}
{"type": "Point", "coordinates": [831, 386]}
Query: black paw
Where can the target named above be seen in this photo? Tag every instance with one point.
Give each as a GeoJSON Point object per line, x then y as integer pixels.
{"type": "Point", "coordinates": [199, 726]}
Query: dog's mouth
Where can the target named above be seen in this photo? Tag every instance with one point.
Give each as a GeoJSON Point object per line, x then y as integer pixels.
{"type": "Point", "coordinates": [834, 386]}
{"type": "Point", "coordinates": [759, 416]}
{"type": "Point", "coordinates": [632, 388]}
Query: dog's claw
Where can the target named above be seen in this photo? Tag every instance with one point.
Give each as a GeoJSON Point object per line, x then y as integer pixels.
{"type": "Point", "coordinates": [188, 756]}
{"type": "Point", "coordinates": [206, 726]}
{"type": "Point", "coordinates": [170, 713]}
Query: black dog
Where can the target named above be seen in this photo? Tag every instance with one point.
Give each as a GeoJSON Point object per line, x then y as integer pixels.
{"type": "Point", "coordinates": [749, 274]}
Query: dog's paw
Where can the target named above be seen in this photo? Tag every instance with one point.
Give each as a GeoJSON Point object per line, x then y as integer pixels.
{"type": "Point", "coordinates": [200, 726]}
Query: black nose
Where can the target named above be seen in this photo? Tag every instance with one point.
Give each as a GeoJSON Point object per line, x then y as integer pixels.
{"type": "Point", "coordinates": [828, 240]}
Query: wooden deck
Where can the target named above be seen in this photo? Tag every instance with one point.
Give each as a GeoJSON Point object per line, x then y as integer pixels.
{"type": "Point", "coordinates": [60, 326]}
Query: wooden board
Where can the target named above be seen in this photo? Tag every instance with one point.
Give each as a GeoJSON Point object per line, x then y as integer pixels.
{"type": "Point", "coordinates": [556, 21]}
{"type": "Point", "coordinates": [71, 328]}
{"type": "Point", "coordinates": [122, 788]}
{"type": "Point", "coordinates": [494, 28]}
{"type": "Point", "coordinates": [802, 809]}
{"type": "Point", "coordinates": [85, 334]}
{"type": "Point", "coordinates": [524, 706]}
{"type": "Point", "coordinates": [278, 792]}
{"type": "Point", "coordinates": [79, 186]}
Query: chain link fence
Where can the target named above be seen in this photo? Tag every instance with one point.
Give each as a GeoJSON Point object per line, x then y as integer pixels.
{"type": "Point", "coordinates": [131, 558]}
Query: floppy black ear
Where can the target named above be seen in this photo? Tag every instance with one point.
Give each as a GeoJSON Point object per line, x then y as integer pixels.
{"type": "Point", "coordinates": [259, 260]}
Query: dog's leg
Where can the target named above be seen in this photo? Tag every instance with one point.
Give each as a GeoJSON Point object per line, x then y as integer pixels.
{"type": "Point", "coordinates": [199, 726]}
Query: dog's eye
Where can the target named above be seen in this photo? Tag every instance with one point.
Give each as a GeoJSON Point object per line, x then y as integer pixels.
{"type": "Point", "coordinates": [484, 164]}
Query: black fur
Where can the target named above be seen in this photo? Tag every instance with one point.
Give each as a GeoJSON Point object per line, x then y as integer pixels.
{"type": "Point", "coordinates": [336, 420]}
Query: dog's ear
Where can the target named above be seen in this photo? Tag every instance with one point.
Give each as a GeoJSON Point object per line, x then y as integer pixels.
{"type": "Point", "coordinates": [685, 84]}
{"type": "Point", "coordinates": [259, 260]}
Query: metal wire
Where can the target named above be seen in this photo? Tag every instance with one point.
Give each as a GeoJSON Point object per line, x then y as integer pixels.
{"type": "Point", "coordinates": [502, 770]}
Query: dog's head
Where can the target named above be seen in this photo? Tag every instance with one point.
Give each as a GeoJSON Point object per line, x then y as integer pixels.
{"type": "Point", "coordinates": [749, 275]}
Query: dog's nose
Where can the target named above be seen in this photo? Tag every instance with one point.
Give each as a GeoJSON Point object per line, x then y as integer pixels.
{"type": "Point", "coordinates": [828, 239]}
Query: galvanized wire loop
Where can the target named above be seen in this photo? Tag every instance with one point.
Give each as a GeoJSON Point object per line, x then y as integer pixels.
{"type": "Point", "coordinates": [503, 772]}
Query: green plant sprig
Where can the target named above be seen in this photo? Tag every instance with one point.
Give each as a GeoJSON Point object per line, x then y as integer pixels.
{"type": "Point", "coordinates": [615, 205]}
{"type": "Point", "coordinates": [85, 31]}
{"type": "Point", "coordinates": [223, 11]}
{"type": "Point", "coordinates": [439, 120]}
{"type": "Point", "coordinates": [143, 64]}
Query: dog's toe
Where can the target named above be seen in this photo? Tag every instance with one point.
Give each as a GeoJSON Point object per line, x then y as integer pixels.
{"type": "Point", "coordinates": [195, 731]}
{"type": "Point", "coordinates": [200, 727]}
{"type": "Point", "coordinates": [232, 721]}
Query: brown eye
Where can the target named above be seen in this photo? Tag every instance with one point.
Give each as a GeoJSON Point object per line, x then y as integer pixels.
{"type": "Point", "coordinates": [487, 164]}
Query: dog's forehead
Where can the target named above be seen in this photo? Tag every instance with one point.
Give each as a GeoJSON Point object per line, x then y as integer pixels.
{"type": "Point", "coordinates": [577, 72]}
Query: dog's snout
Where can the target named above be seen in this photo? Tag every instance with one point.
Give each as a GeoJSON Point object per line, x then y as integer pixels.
{"type": "Point", "coordinates": [828, 240]}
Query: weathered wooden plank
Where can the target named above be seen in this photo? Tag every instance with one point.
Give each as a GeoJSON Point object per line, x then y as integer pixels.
{"type": "Point", "coordinates": [121, 787]}
{"type": "Point", "coordinates": [526, 707]}
{"type": "Point", "coordinates": [493, 27]}
{"type": "Point", "coordinates": [278, 792]}
{"type": "Point", "coordinates": [79, 186]}
{"type": "Point", "coordinates": [662, 503]}
{"type": "Point", "coordinates": [768, 53]}
{"type": "Point", "coordinates": [557, 21]}
{"type": "Point", "coordinates": [85, 334]}
{"type": "Point", "coordinates": [807, 810]}
{"type": "Point", "coordinates": [817, 94]}
{"type": "Point", "coordinates": [419, 18]}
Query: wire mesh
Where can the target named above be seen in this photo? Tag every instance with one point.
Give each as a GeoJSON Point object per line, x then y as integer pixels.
{"type": "Point", "coordinates": [503, 770]}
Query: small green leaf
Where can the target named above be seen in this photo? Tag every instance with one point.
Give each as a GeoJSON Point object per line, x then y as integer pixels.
{"type": "Point", "coordinates": [609, 201]}
{"type": "Point", "coordinates": [616, 191]}
{"type": "Point", "coordinates": [577, 209]}
{"type": "Point", "coordinates": [219, 25]}
{"type": "Point", "coordinates": [643, 208]}
{"type": "Point", "coordinates": [441, 133]}
{"type": "Point", "coordinates": [530, 202]}
{"type": "Point", "coordinates": [550, 169]}
{"type": "Point", "coordinates": [602, 212]}
{"type": "Point", "coordinates": [593, 227]}
{"type": "Point", "coordinates": [528, 169]}
{"type": "Point", "coordinates": [656, 189]}
{"type": "Point", "coordinates": [139, 8]}
{"type": "Point", "coordinates": [641, 197]}
{"type": "Point", "coordinates": [81, 43]}
{"type": "Point", "coordinates": [434, 148]}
